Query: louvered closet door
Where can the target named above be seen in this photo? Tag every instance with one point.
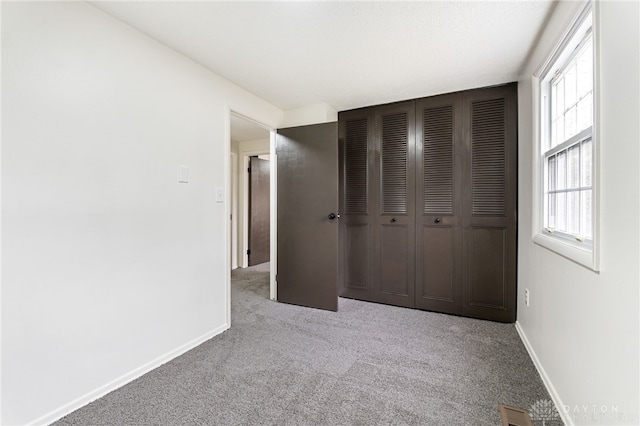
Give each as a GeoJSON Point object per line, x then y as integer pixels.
{"type": "Point", "coordinates": [439, 169]}
{"type": "Point", "coordinates": [355, 134]}
{"type": "Point", "coordinates": [489, 252]}
{"type": "Point", "coordinates": [394, 267]}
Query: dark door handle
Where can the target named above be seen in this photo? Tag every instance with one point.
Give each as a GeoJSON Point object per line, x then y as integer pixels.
{"type": "Point", "coordinates": [393, 219]}
{"type": "Point", "coordinates": [332, 216]}
{"type": "Point", "coordinates": [437, 220]}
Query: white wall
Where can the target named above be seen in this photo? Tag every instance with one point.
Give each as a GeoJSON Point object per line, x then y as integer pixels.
{"type": "Point", "coordinates": [310, 114]}
{"type": "Point", "coordinates": [110, 266]}
{"type": "Point", "coordinates": [582, 326]}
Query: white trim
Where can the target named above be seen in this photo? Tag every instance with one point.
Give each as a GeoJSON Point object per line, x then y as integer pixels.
{"type": "Point", "coordinates": [596, 138]}
{"type": "Point", "coordinates": [580, 137]}
{"type": "Point", "coordinates": [572, 28]}
{"type": "Point", "coordinates": [101, 391]}
{"type": "Point", "coordinates": [1, 274]}
{"type": "Point", "coordinates": [227, 210]}
{"type": "Point", "coordinates": [273, 286]}
{"type": "Point", "coordinates": [588, 257]}
{"type": "Point", "coordinates": [537, 204]}
{"type": "Point", "coordinates": [555, 397]}
{"type": "Point", "coordinates": [233, 200]}
{"type": "Point", "coordinates": [565, 249]}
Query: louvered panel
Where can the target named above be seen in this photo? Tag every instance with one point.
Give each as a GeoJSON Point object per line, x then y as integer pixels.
{"type": "Point", "coordinates": [394, 163]}
{"type": "Point", "coordinates": [438, 160]}
{"type": "Point", "coordinates": [356, 166]}
{"type": "Point", "coordinates": [488, 157]}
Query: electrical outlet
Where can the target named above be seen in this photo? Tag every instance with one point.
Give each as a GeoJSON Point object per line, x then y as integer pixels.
{"type": "Point", "coordinates": [526, 297]}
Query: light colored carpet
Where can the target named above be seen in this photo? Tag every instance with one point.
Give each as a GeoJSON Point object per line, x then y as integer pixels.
{"type": "Point", "coordinates": [367, 364]}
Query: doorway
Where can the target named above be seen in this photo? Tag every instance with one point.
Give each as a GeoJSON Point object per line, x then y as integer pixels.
{"type": "Point", "coordinates": [249, 138]}
{"type": "Point", "coordinates": [259, 210]}
{"type": "Point", "coordinates": [309, 264]}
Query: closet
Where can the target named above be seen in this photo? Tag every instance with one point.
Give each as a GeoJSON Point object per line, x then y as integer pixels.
{"type": "Point", "coordinates": [428, 197]}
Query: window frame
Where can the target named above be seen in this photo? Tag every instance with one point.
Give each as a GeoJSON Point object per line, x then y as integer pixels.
{"type": "Point", "coordinates": [585, 253]}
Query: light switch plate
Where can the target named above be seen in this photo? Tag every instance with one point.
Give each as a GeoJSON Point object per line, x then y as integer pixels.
{"type": "Point", "coordinates": [219, 195]}
{"type": "Point", "coordinates": [183, 174]}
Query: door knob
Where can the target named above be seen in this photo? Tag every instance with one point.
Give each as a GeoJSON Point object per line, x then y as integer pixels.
{"type": "Point", "coordinates": [332, 216]}
{"type": "Point", "coordinates": [437, 220]}
{"type": "Point", "coordinates": [393, 219]}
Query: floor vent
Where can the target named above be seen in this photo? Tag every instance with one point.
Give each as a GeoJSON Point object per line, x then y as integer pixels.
{"type": "Point", "coordinates": [512, 416]}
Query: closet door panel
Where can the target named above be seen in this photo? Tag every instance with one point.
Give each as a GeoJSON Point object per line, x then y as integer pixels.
{"type": "Point", "coordinates": [356, 267]}
{"type": "Point", "coordinates": [355, 140]}
{"type": "Point", "coordinates": [488, 157]}
{"type": "Point", "coordinates": [395, 218]}
{"type": "Point", "coordinates": [438, 264]}
{"type": "Point", "coordinates": [487, 281]}
{"type": "Point", "coordinates": [394, 162]}
{"type": "Point", "coordinates": [356, 173]}
{"type": "Point", "coordinates": [394, 268]}
{"type": "Point", "coordinates": [438, 206]}
{"type": "Point", "coordinates": [489, 255]}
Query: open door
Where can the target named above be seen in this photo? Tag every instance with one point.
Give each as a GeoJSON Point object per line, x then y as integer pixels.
{"type": "Point", "coordinates": [259, 195]}
{"type": "Point", "coordinates": [307, 161]}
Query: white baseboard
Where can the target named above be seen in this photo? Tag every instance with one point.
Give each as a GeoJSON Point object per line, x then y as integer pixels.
{"type": "Point", "coordinates": [545, 379]}
{"type": "Point", "coordinates": [72, 406]}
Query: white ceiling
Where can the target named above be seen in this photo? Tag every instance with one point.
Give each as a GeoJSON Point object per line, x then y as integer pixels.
{"type": "Point", "coordinates": [347, 54]}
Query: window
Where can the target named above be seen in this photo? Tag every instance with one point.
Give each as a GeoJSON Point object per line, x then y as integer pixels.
{"type": "Point", "coordinates": [566, 147]}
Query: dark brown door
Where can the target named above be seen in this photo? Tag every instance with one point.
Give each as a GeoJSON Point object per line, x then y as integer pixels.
{"type": "Point", "coordinates": [439, 167]}
{"type": "Point", "coordinates": [357, 178]}
{"type": "Point", "coordinates": [428, 191]}
{"type": "Point", "coordinates": [377, 256]}
{"type": "Point", "coordinates": [259, 224]}
{"type": "Point", "coordinates": [394, 220]}
{"type": "Point", "coordinates": [307, 175]}
{"type": "Point", "coordinates": [490, 182]}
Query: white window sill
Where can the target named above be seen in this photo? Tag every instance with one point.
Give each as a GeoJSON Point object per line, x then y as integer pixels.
{"type": "Point", "coordinates": [582, 256]}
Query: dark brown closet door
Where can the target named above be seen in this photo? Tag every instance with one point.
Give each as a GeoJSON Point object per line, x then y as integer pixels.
{"type": "Point", "coordinates": [439, 170]}
{"type": "Point", "coordinates": [429, 212]}
{"type": "Point", "coordinates": [394, 223]}
{"type": "Point", "coordinates": [489, 252]}
{"type": "Point", "coordinates": [355, 133]}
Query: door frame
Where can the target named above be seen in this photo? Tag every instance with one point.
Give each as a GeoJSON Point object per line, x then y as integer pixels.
{"type": "Point", "coordinates": [228, 208]}
{"type": "Point", "coordinates": [233, 200]}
